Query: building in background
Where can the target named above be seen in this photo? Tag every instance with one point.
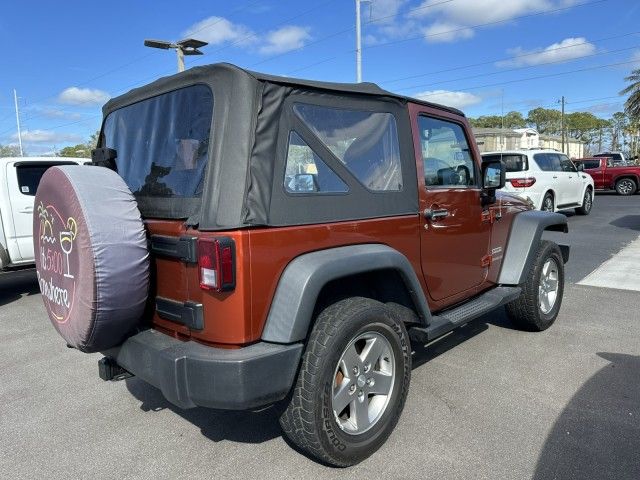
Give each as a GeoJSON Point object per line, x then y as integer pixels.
{"type": "Point", "coordinates": [501, 139]}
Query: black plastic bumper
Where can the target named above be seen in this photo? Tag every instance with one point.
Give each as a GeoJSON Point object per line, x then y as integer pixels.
{"type": "Point", "coordinates": [190, 374]}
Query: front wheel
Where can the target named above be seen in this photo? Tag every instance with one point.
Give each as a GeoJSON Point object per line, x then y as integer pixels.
{"type": "Point", "coordinates": [626, 186]}
{"type": "Point", "coordinates": [587, 203]}
{"type": "Point", "coordinates": [539, 303]}
{"type": "Point", "coordinates": [352, 384]}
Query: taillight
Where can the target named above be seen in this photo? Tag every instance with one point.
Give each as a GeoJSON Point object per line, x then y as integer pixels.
{"type": "Point", "coordinates": [216, 262]}
{"type": "Point", "coordinates": [522, 182]}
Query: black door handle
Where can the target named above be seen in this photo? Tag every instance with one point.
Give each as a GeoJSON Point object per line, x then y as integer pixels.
{"type": "Point", "coordinates": [435, 214]}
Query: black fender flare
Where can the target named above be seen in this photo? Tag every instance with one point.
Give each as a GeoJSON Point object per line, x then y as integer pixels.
{"type": "Point", "coordinates": [304, 277]}
{"type": "Point", "coordinates": [526, 232]}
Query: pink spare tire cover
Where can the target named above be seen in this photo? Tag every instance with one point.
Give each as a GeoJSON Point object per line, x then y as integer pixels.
{"type": "Point", "coordinates": [91, 255]}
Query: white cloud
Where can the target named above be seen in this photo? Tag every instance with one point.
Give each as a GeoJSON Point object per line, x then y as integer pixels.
{"type": "Point", "coordinates": [217, 30]}
{"type": "Point", "coordinates": [446, 32]}
{"type": "Point", "coordinates": [467, 13]}
{"type": "Point", "coordinates": [83, 96]}
{"type": "Point", "coordinates": [383, 11]}
{"type": "Point", "coordinates": [564, 51]}
{"type": "Point", "coordinates": [46, 136]}
{"type": "Point", "coordinates": [284, 40]}
{"type": "Point", "coordinates": [450, 98]}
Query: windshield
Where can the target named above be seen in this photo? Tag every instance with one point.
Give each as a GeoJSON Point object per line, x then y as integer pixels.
{"type": "Point", "coordinates": [163, 142]}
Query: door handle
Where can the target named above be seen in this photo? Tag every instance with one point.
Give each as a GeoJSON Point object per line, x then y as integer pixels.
{"type": "Point", "coordinates": [555, 176]}
{"type": "Point", "coordinates": [27, 210]}
{"type": "Point", "coordinates": [435, 214]}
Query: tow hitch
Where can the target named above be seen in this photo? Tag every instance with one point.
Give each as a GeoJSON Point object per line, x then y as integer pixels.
{"type": "Point", "coordinates": [108, 369]}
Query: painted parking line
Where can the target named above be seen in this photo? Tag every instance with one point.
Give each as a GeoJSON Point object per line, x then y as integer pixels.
{"type": "Point", "coordinates": [622, 271]}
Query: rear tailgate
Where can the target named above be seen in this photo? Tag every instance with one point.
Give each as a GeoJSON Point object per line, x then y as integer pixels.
{"type": "Point", "coordinates": [179, 305]}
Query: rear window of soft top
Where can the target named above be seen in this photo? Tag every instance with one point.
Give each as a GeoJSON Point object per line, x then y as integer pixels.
{"type": "Point", "coordinates": [163, 142]}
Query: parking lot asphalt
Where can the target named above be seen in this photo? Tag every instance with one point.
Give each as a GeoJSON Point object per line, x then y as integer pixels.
{"type": "Point", "coordinates": [486, 401]}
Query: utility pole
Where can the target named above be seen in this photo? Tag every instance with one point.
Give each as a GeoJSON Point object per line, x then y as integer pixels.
{"type": "Point", "coordinates": [359, 42]}
{"type": "Point", "coordinates": [562, 122]}
{"type": "Point", "coordinates": [15, 100]}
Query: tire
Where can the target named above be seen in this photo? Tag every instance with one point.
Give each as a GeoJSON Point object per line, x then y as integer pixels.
{"type": "Point", "coordinates": [626, 186]}
{"type": "Point", "coordinates": [340, 331]}
{"type": "Point", "coordinates": [533, 310]}
{"type": "Point", "coordinates": [587, 203]}
{"type": "Point", "coordinates": [547, 203]}
{"type": "Point", "coordinates": [92, 260]}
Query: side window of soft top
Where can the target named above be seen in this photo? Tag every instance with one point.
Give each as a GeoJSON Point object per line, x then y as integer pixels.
{"type": "Point", "coordinates": [365, 142]}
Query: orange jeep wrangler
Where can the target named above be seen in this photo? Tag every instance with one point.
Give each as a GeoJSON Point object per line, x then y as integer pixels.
{"type": "Point", "coordinates": [248, 240]}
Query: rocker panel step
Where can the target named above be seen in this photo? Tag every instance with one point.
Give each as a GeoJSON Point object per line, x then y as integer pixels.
{"type": "Point", "coordinates": [447, 320]}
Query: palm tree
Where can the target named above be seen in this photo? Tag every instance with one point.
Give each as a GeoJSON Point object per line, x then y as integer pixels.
{"type": "Point", "coordinates": [632, 105]}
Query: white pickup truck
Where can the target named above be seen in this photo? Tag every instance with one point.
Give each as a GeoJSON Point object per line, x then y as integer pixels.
{"type": "Point", "coordinates": [19, 179]}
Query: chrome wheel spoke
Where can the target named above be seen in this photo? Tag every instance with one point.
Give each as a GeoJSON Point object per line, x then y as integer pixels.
{"type": "Point", "coordinates": [342, 396]}
{"type": "Point", "coordinates": [361, 408]}
{"type": "Point", "coordinates": [381, 383]}
{"type": "Point", "coordinates": [372, 352]}
{"type": "Point", "coordinates": [351, 359]}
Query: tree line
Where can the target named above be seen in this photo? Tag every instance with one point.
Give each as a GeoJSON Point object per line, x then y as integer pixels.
{"type": "Point", "coordinates": [617, 133]}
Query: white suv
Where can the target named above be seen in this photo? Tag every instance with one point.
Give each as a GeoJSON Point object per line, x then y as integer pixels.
{"type": "Point", "coordinates": [547, 178]}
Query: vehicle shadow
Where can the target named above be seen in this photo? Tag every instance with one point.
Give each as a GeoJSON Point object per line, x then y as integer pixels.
{"type": "Point", "coordinates": [13, 285]}
{"type": "Point", "coordinates": [216, 425]}
{"type": "Point", "coordinates": [632, 222]}
{"type": "Point", "coordinates": [598, 433]}
{"type": "Point", "coordinates": [261, 426]}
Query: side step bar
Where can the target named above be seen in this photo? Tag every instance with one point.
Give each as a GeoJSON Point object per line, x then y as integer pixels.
{"type": "Point", "coordinates": [448, 320]}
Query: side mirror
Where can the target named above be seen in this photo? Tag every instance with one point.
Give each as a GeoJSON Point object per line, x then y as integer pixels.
{"type": "Point", "coordinates": [580, 167]}
{"type": "Point", "coordinates": [493, 175]}
{"type": "Point", "coordinates": [493, 178]}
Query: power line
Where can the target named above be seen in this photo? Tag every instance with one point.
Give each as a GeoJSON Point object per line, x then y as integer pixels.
{"type": "Point", "coordinates": [465, 28]}
{"type": "Point", "coordinates": [346, 30]}
{"type": "Point", "coordinates": [486, 24]}
{"type": "Point", "coordinates": [147, 55]}
{"type": "Point", "coordinates": [533, 66]}
{"type": "Point", "coordinates": [505, 59]}
{"type": "Point", "coordinates": [537, 77]}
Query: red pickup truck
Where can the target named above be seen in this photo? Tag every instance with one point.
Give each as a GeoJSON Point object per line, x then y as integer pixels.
{"type": "Point", "coordinates": [607, 176]}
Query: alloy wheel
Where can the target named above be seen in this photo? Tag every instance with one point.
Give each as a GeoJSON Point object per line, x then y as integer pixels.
{"type": "Point", "coordinates": [363, 383]}
{"type": "Point", "coordinates": [548, 286]}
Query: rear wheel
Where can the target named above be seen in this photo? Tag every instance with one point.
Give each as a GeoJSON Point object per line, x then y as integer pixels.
{"type": "Point", "coordinates": [539, 303]}
{"type": "Point", "coordinates": [547, 203]}
{"type": "Point", "coordinates": [626, 186]}
{"type": "Point", "coordinates": [587, 203]}
{"type": "Point", "coordinates": [352, 384]}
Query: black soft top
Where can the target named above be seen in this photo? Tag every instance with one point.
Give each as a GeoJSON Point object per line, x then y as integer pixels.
{"type": "Point", "coordinates": [252, 118]}
{"type": "Point", "coordinates": [198, 73]}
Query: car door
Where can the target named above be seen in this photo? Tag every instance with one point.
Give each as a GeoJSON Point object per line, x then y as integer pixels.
{"type": "Point", "coordinates": [573, 179]}
{"type": "Point", "coordinates": [23, 178]}
{"type": "Point", "coordinates": [455, 230]}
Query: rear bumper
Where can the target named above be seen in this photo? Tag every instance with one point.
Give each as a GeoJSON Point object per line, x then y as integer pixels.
{"type": "Point", "coordinates": [190, 374]}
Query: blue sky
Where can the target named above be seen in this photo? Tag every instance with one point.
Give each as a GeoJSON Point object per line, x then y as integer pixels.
{"type": "Point", "coordinates": [66, 59]}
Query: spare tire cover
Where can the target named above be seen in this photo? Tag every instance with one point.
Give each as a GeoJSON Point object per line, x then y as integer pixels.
{"type": "Point", "coordinates": [91, 254]}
